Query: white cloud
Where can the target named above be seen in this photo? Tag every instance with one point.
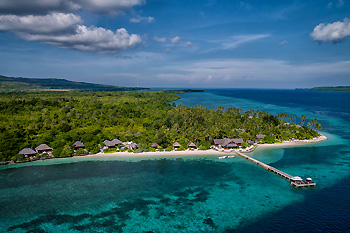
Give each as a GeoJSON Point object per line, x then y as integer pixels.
{"type": "Point", "coordinates": [90, 39]}
{"type": "Point", "coordinates": [139, 19]}
{"type": "Point", "coordinates": [160, 40]}
{"type": "Point", "coordinates": [250, 72]}
{"type": "Point", "coordinates": [42, 7]}
{"type": "Point", "coordinates": [189, 44]}
{"type": "Point", "coordinates": [175, 40]}
{"type": "Point", "coordinates": [284, 42]}
{"type": "Point", "coordinates": [52, 23]}
{"type": "Point", "coordinates": [235, 41]}
{"type": "Point", "coordinates": [340, 3]}
{"type": "Point", "coordinates": [332, 32]}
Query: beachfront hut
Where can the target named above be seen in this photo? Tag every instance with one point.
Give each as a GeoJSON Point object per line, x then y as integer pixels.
{"type": "Point", "coordinates": [112, 144]}
{"type": "Point", "coordinates": [191, 145]}
{"type": "Point", "coordinates": [154, 145]}
{"type": "Point", "coordinates": [250, 141]}
{"type": "Point", "coordinates": [260, 136]}
{"type": "Point", "coordinates": [231, 145]}
{"type": "Point", "coordinates": [27, 152]}
{"type": "Point", "coordinates": [176, 145]}
{"type": "Point", "coordinates": [130, 145]}
{"type": "Point", "coordinates": [78, 145]}
{"type": "Point", "coordinates": [43, 148]}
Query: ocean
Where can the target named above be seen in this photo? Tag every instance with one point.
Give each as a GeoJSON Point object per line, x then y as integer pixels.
{"type": "Point", "coordinates": [199, 193]}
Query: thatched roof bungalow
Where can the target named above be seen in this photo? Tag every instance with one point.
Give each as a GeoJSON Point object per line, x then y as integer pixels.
{"type": "Point", "coordinates": [176, 145]}
{"type": "Point", "coordinates": [260, 136]}
{"type": "Point", "coordinates": [191, 145]}
{"type": "Point", "coordinates": [27, 152]}
{"type": "Point", "coordinates": [113, 143]}
{"type": "Point", "coordinates": [78, 145]}
{"type": "Point", "coordinates": [43, 148]}
{"type": "Point", "coordinates": [154, 145]}
{"type": "Point", "coordinates": [130, 145]}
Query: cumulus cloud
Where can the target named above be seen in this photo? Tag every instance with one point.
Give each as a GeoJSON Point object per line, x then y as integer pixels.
{"type": "Point", "coordinates": [175, 40]}
{"type": "Point", "coordinates": [42, 7]}
{"type": "Point", "coordinates": [47, 24]}
{"type": "Point", "coordinates": [189, 44]}
{"type": "Point", "coordinates": [332, 32]}
{"type": "Point", "coordinates": [160, 40]}
{"type": "Point", "coordinates": [139, 19]}
{"type": "Point", "coordinates": [90, 39]}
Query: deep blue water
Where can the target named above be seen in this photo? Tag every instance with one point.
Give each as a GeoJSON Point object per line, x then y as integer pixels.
{"type": "Point", "coordinates": [194, 194]}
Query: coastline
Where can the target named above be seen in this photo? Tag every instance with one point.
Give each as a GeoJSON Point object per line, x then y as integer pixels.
{"type": "Point", "coordinates": [295, 142]}
{"type": "Point", "coordinates": [204, 152]}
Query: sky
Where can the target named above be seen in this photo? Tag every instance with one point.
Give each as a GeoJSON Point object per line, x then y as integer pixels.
{"type": "Point", "coordinates": [178, 43]}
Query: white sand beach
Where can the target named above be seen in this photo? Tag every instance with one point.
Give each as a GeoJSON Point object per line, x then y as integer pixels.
{"type": "Point", "coordinates": [203, 152]}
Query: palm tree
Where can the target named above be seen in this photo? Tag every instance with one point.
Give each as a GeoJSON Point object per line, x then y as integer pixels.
{"type": "Point", "coordinates": [303, 119]}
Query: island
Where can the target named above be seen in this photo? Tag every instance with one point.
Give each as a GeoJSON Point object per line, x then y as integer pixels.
{"type": "Point", "coordinates": [41, 125]}
{"type": "Point", "coordinates": [8, 84]}
{"type": "Point", "coordinates": [337, 88]}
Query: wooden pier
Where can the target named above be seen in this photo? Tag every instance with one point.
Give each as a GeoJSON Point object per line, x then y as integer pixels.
{"type": "Point", "coordinates": [294, 181]}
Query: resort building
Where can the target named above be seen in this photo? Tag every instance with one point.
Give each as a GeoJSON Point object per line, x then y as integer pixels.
{"type": "Point", "coordinates": [78, 145]}
{"type": "Point", "coordinates": [154, 145]}
{"type": "Point", "coordinates": [176, 145]}
{"type": "Point", "coordinates": [191, 145]}
{"type": "Point", "coordinates": [43, 148]}
{"type": "Point", "coordinates": [130, 145]}
{"type": "Point", "coordinates": [27, 152]}
{"type": "Point", "coordinates": [112, 144]}
{"type": "Point", "coordinates": [228, 143]}
{"type": "Point", "coordinates": [260, 136]}
{"type": "Point", "coordinates": [249, 141]}
{"type": "Point", "coordinates": [240, 130]}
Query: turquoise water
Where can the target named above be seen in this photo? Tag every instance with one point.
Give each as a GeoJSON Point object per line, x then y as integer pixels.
{"type": "Point", "coordinates": [191, 194]}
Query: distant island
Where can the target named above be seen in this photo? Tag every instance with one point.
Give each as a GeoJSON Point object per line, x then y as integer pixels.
{"type": "Point", "coordinates": [337, 88]}
{"type": "Point", "coordinates": [8, 84]}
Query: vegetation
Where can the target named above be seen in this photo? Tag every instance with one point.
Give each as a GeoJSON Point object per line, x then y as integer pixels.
{"type": "Point", "coordinates": [61, 118]}
{"type": "Point", "coordinates": [337, 88]}
{"type": "Point", "coordinates": [53, 84]}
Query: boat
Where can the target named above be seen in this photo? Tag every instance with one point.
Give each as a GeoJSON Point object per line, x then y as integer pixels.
{"type": "Point", "coordinates": [223, 157]}
{"type": "Point", "coordinates": [230, 156]}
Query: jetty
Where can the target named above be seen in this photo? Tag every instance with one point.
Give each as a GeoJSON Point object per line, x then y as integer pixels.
{"type": "Point", "coordinates": [295, 181]}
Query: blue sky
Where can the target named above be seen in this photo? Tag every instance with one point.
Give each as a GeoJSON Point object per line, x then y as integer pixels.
{"type": "Point", "coordinates": [175, 43]}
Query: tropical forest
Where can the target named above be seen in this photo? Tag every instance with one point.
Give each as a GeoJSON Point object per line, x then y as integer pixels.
{"type": "Point", "coordinates": [59, 119]}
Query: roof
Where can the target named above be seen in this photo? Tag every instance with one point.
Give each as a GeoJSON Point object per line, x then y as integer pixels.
{"type": "Point", "coordinates": [241, 130]}
{"type": "Point", "coordinates": [238, 140]}
{"type": "Point", "coordinates": [78, 144]}
{"type": "Point", "coordinates": [176, 144]}
{"type": "Point", "coordinates": [260, 136]}
{"type": "Point", "coordinates": [154, 145]}
{"type": "Point", "coordinates": [114, 142]}
{"type": "Point", "coordinates": [43, 147]}
{"type": "Point", "coordinates": [27, 151]}
{"type": "Point", "coordinates": [107, 142]}
{"type": "Point", "coordinates": [231, 145]}
{"type": "Point", "coordinates": [250, 141]}
{"type": "Point", "coordinates": [224, 142]}
{"type": "Point", "coordinates": [191, 144]}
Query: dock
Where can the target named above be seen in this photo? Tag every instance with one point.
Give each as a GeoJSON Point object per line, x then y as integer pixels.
{"type": "Point", "coordinates": [295, 181]}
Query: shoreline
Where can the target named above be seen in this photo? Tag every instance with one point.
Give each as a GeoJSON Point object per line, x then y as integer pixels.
{"type": "Point", "coordinates": [204, 152]}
